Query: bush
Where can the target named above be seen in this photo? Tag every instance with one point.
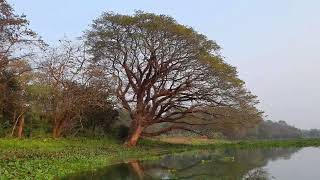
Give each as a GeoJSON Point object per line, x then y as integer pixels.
{"type": "Point", "coordinates": [121, 132]}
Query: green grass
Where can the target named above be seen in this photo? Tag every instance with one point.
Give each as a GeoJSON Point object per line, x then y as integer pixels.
{"type": "Point", "coordinates": [49, 158]}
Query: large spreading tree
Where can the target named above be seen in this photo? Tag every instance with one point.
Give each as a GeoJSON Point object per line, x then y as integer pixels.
{"type": "Point", "coordinates": [162, 71]}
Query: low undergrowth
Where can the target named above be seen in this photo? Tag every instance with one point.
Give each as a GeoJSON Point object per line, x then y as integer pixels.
{"type": "Point", "coordinates": [50, 158]}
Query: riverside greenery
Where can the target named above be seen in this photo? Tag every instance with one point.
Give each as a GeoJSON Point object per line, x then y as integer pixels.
{"type": "Point", "coordinates": [50, 158]}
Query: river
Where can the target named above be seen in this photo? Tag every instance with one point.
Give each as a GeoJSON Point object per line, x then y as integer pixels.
{"type": "Point", "coordinates": [219, 164]}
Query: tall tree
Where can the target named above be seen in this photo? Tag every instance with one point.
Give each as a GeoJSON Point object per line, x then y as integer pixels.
{"type": "Point", "coordinates": [161, 70]}
{"type": "Point", "coordinates": [17, 45]}
{"type": "Point", "coordinates": [16, 39]}
{"type": "Point", "coordinates": [17, 99]}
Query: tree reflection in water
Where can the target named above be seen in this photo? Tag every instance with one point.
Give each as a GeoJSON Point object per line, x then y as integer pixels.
{"type": "Point", "coordinates": [214, 164]}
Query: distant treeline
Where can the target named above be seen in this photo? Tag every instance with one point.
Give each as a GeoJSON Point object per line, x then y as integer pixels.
{"type": "Point", "coordinates": [275, 130]}
{"type": "Point", "coordinates": [262, 130]}
{"type": "Point", "coordinates": [281, 130]}
{"type": "Point", "coordinates": [312, 133]}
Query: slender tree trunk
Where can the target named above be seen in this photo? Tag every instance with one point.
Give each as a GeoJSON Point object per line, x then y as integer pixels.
{"type": "Point", "coordinates": [21, 125]}
{"type": "Point", "coordinates": [134, 134]}
{"type": "Point", "coordinates": [15, 120]}
{"type": "Point", "coordinates": [18, 121]}
{"type": "Point", "coordinates": [56, 133]}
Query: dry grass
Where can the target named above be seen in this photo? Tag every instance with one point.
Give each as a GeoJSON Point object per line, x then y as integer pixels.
{"type": "Point", "coordinates": [189, 140]}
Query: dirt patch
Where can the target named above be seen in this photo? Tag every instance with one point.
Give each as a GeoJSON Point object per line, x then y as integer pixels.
{"type": "Point", "coordinates": [186, 140]}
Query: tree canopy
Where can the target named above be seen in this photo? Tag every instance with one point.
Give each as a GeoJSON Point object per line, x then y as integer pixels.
{"type": "Point", "coordinates": [162, 71]}
{"type": "Point", "coordinates": [17, 45]}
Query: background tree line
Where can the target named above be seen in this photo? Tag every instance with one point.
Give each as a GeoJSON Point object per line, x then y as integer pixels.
{"type": "Point", "coordinates": [135, 76]}
{"type": "Point", "coordinates": [47, 89]}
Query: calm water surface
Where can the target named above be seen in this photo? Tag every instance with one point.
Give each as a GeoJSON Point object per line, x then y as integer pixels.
{"type": "Point", "coordinates": [220, 164]}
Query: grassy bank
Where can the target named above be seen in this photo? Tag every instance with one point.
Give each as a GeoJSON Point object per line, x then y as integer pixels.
{"type": "Point", "coordinates": [49, 158]}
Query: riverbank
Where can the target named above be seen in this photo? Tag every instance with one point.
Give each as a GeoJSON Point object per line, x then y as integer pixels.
{"type": "Point", "coordinates": [49, 158]}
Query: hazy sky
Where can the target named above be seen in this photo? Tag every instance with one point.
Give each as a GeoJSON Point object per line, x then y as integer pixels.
{"type": "Point", "coordinates": [275, 44]}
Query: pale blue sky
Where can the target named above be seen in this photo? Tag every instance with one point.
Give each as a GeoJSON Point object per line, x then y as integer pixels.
{"type": "Point", "coordinates": [275, 44]}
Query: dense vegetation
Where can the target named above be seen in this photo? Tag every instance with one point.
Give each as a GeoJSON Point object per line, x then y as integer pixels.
{"type": "Point", "coordinates": [131, 76]}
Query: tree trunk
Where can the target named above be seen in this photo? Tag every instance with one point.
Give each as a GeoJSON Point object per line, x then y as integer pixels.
{"type": "Point", "coordinates": [21, 125]}
{"type": "Point", "coordinates": [15, 120]}
{"type": "Point", "coordinates": [134, 135]}
{"type": "Point", "coordinates": [56, 133]}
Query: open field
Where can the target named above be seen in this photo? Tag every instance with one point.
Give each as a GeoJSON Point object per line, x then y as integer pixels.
{"type": "Point", "coordinates": [49, 158]}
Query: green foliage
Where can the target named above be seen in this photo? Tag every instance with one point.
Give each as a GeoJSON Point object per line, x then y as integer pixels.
{"type": "Point", "coordinates": [48, 158]}
{"type": "Point", "coordinates": [36, 125]}
{"type": "Point", "coordinates": [224, 70]}
{"type": "Point", "coordinates": [121, 132]}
